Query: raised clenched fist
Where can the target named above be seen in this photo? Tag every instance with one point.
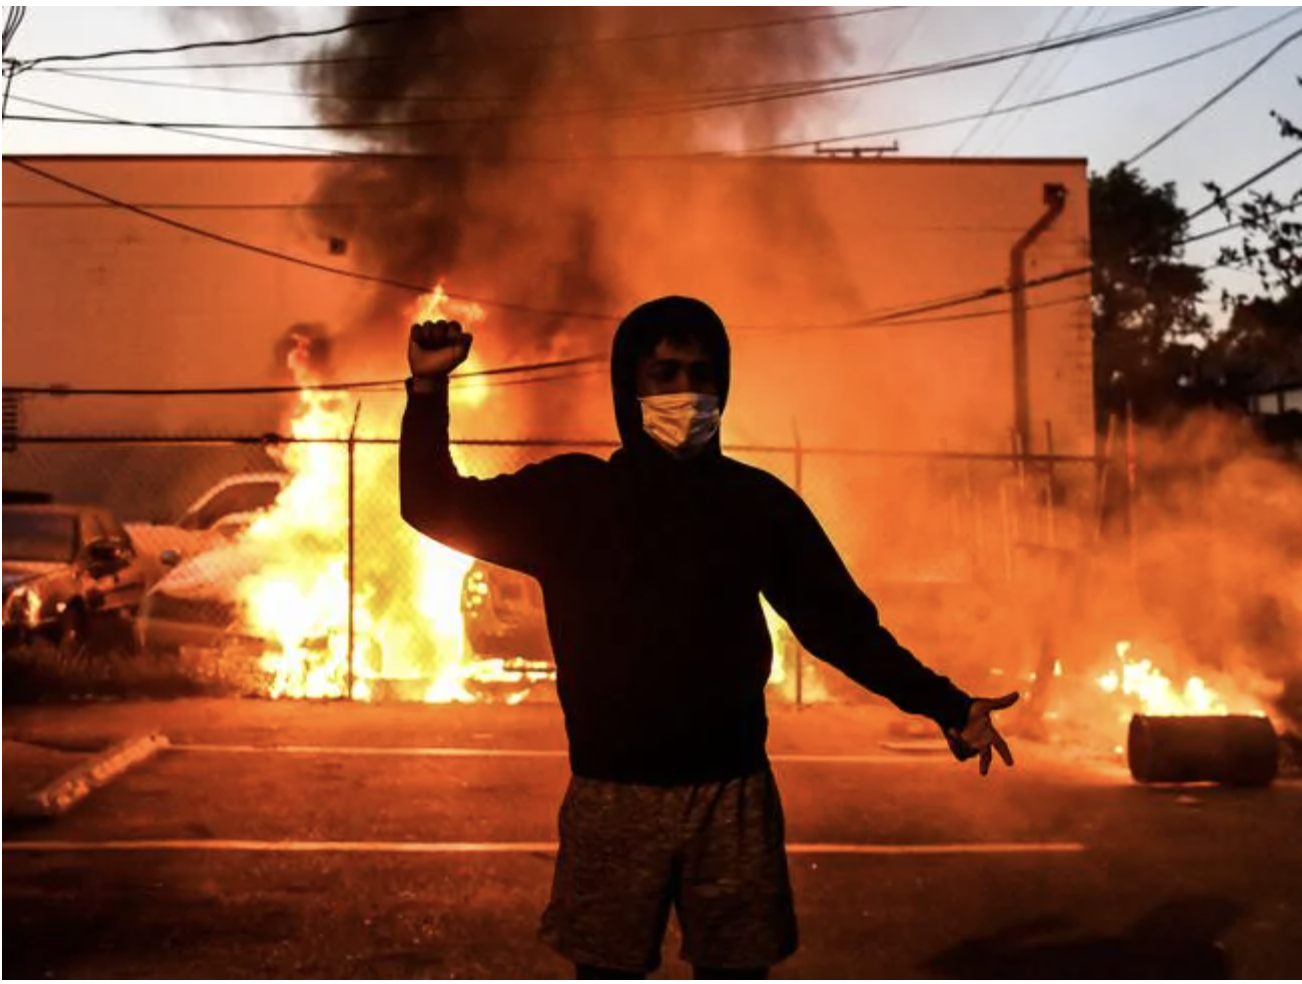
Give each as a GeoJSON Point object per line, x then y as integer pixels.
{"type": "Point", "coordinates": [437, 347]}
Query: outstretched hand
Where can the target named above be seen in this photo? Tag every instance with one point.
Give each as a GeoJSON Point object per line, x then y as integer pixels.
{"type": "Point", "coordinates": [979, 737]}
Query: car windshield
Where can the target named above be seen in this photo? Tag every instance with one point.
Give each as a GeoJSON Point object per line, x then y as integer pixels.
{"type": "Point", "coordinates": [39, 536]}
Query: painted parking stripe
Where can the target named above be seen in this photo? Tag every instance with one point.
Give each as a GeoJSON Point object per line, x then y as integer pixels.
{"type": "Point", "coordinates": [880, 758]}
{"type": "Point", "coordinates": [504, 847]}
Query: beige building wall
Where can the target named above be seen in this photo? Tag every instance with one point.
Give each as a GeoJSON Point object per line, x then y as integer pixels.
{"type": "Point", "coordinates": [791, 252]}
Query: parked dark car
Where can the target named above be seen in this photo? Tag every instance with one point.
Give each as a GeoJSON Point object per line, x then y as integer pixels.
{"type": "Point", "coordinates": [504, 614]}
{"type": "Point", "coordinates": [72, 574]}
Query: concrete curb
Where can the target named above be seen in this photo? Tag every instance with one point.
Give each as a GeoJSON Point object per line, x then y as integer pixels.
{"type": "Point", "coordinates": [61, 795]}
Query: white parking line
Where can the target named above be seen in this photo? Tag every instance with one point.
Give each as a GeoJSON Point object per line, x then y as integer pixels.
{"type": "Point", "coordinates": [504, 847]}
{"type": "Point", "coordinates": [441, 752]}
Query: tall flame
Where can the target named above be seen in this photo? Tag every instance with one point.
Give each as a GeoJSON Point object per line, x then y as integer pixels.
{"type": "Point", "coordinates": [1154, 693]}
{"type": "Point", "coordinates": [406, 621]}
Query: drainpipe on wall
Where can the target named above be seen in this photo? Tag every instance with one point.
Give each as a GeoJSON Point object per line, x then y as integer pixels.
{"type": "Point", "coordinates": [1055, 200]}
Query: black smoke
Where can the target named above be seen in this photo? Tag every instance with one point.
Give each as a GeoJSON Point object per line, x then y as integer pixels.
{"type": "Point", "coordinates": [472, 111]}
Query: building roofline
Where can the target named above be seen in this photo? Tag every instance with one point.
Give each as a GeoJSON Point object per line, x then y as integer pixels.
{"type": "Point", "coordinates": [763, 158]}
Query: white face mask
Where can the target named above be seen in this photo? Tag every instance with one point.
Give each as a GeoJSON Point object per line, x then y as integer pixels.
{"type": "Point", "coordinates": [681, 423]}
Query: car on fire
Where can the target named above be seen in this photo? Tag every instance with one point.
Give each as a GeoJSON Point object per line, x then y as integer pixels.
{"type": "Point", "coordinates": [197, 604]}
{"type": "Point", "coordinates": [197, 607]}
{"type": "Point", "coordinates": [503, 614]}
{"type": "Point", "coordinates": [216, 517]}
{"type": "Point", "coordinates": [72, 575]}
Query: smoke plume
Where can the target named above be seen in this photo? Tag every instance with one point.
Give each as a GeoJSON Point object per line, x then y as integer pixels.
{"type": "Point", "coordinates": [481, 114]}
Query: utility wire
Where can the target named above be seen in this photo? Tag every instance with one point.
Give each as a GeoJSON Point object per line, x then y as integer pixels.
{"type": "Point", "coordinates": [108, 120]}
{"type": "Point", "coordinates": [694, 105]}
{"type": "Point", "coordinates": [101, 119]}
{"type": "Point", "coordinates": [1246, 183]}
{"type": "Point", "coordinates": [1217, 97]}
{"type": "Point", "coordinates": [899, 318]}
{"type": "Point", "coordinates": [1045, 101]}
{"type": "Point", "coordinates": [770, 91]}
{"type": "Point", "coordinates": [377, 384]}
{"type": "Point", "coordinates": [468, 51]}
{"type": "Point", "coordinates": [298, 260]}
{"type": "Point", "coordinates": [1008, 87]}
{"type": "Point", "coordinates": [902, 42]}
{"type": "Point", "coordinates": [234, 43]}
{"type": "Point", "coordinates": [869, 320]}
{"type": "Point", "coordinates": [692, 91]}
{"type": "Point", "coordinates": [1229, 227]}
{"type": "Point", "coordinates": [1047, 78]}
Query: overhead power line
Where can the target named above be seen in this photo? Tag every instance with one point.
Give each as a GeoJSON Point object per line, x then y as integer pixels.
{"type": "Point", "coordinates": [1217, 97]}
{"type": "Point", "coordinates": [673, 106]}
{"type": "Point", "coordinates": [877, 318]}
{"type": "Point", "coordinates": [469, 50]}
{"type": "Point", "coordinates": [1008, 86]}
{"type": "Point", "coordinates": [1044, 101]}
{"type": "Point", "coordinates": [379, 384]}
{"type": "Point", "coordinates": [1246, 183]}
{"type": "Point", "coordinates": [1231, 226]}
{"type": "Point", "coordinates": [233, 43]}
{"type": "Point", "coordinates": [90, 118]}
{"type": "Point", "coordinates": [1045, 80]}
{"type": "Point", "coordinates": [297, 260]}
{"type": "Point", "coordinates": [766, 94]}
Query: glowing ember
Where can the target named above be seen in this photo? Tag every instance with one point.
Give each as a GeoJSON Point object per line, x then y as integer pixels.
{"type": "Point", "coordinates": [1154, 693]}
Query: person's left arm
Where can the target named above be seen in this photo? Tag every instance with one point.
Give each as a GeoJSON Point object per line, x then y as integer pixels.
{"type": "Point", "coordinates": [808, 585]}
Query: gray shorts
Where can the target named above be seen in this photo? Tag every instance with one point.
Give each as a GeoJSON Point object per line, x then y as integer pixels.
{"type": "Point", "coordinates": [715, 852]}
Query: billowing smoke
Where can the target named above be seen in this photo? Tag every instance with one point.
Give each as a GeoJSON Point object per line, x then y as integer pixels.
{"type": "Point", "coordinates": [480, 108]}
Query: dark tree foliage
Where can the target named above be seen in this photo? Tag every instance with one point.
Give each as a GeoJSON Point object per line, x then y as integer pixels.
{"type": "Point", "coordinates": [1147, 325]}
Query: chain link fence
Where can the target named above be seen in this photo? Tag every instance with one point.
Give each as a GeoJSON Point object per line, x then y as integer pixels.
{"type": "Point", "coordinates": [291, 553]}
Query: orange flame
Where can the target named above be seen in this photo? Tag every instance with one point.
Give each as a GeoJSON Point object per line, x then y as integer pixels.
{"type": "Point", "coordinates": [1154, 693]}
{"type": "Point", "coordinates": [407, 622]}
{"type": "Point", "coordinates": [407, 618]}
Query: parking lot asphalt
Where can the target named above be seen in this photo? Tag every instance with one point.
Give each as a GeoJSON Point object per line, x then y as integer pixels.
{"type": "Point", "coordinates": [277, 839]}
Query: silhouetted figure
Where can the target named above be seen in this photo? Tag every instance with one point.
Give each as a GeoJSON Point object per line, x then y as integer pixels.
{"type": "Point", "coordinates": [652, 566]}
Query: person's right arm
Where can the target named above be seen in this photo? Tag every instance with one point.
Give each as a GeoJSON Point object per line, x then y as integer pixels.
{"type": "Point", "coordinates": [501, 520]}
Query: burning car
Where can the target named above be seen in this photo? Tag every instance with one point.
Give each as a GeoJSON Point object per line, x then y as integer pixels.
{"type": "Point", "coordinates": [201, 606]}
{"type": "Point", "coordinates": [504, 616]}
{"type": "Point", "coordinates": [216, 517]}
{"type": "Point", "coordinates": [72, 575]}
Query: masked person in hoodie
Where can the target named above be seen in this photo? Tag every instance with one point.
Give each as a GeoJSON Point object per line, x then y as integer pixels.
{"type": "Point", "coordinates": [652, 566]}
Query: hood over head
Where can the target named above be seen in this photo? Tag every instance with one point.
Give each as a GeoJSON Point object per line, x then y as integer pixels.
{"type": "Point", "coordinates": [639, 333]}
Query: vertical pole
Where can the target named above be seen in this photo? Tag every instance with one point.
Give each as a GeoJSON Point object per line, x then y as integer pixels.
{"type": "Point", "coordinates": [352, 548]}
{"type": "Point", "coordinates": [1132, 476]}
{"type": "Point", "coordinates": [800, 491]}
{"type": "Point", "coordinates": [1101, 487]}
{"type": "Point", "coordinates": [1006, 510]}
{"type": "Point", "coordinates": [1050, 515]}
{"type": "Point", "coordinates": [974, 511]}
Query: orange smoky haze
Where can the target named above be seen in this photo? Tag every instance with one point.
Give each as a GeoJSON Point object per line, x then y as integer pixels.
{"type": "Point", "coordinates": [1194, 584]}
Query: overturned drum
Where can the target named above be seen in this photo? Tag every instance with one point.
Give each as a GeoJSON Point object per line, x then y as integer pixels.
{"type": "Point", "coordinates": [1234, 749]}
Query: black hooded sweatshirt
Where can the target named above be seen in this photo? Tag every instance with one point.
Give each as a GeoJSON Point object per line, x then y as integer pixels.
{"type": "Point", "coordinates": [652, 570]}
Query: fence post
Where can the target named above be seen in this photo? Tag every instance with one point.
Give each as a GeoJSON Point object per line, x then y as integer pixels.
{"type": "Point", "coordinates": [1132, 479]}
{"type": "Point", "coordinates": [800, 491]}
{"type": "Point", "coordinates": [1050, 514]}
{"type": "Point", "coordinates": [352, 513]}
